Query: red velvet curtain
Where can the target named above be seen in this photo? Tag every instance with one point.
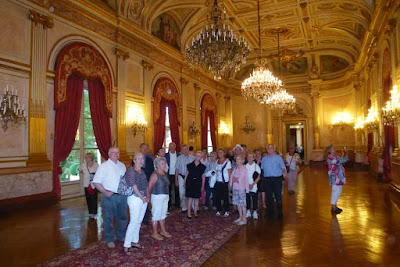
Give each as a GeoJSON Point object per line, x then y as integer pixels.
{"type": "Point", "coordinates": [174, 124]}
{"type": "Point", "coordinates": [100, 119]}
{"type": "Point", "coordinates": [66, 124]}
{"type": "Point", "coordinates": [204, 130]}
{"type": "Point", "coordinates": [159, 127]}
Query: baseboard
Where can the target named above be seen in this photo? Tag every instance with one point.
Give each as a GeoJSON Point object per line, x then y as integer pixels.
{"type": "Point", "coordinates": [27, 202]}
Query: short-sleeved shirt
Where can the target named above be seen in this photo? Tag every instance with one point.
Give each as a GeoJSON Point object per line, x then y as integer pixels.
{"type": "Point", "coordinates": [195, 172]}
{"type": "Point", "coordinates": [86, 170]}
{"type": "Point", "coordinates": [223, 176]}
{"type": "Point", "coordinates": [272, 165]}
{"type": "Point", "coordinates": [292, 161]}
{"type": "Point", "coordinates": [108, 174]}
{"type": "Point", "coordinates": [133, 177]}
{"type": "Point", "coordinates": [251, 169]}
{"type": "Point", "coordinates": [181, 163]}
{"type": "Point", "coordinates": [241, 174]}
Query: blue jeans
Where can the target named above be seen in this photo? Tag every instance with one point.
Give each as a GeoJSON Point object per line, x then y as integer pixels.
{"type": "Point", "coordinates": [209, 192]}
{"type": "Point", "coordinates": [112, 207]}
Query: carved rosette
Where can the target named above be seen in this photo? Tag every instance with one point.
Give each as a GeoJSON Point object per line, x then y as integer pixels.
{"type": "Point", "coordinates": [166, 89]}
{"type": "Point", "coordinates": [85, 60]}
{"type": "Point", "coordinates": [208, 103]}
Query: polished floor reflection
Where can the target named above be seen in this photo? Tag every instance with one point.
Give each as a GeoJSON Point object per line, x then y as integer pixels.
{"type": "Point", "coordinates": [367, 233]}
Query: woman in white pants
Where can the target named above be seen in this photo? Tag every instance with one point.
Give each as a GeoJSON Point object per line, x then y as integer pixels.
{"type": "Point", "coordinates": [337, 176]}
{"type": "Point", "coordinates": [137, 202]}
{"type": "Point", "coordinates": [159, 191]}
{"type": "Point", "coordinates": [292, 161]}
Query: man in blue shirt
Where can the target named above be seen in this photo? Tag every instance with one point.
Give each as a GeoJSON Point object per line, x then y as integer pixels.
{"type": "Point", "coordinates": [273, 168]}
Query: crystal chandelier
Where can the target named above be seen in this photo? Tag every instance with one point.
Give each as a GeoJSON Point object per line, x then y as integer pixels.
{"type": "Point", "coordinates": [262, 83]}
{"type": "Point", "coordinates": [247, 126]}
{"type": "Point", "coordinates": [359, 125]}
{"type": "Point", "coordinates": [391, 113]}
{"type": "Point", "coordinates": [10, 109]}
{"type": "Point", "coordinates": [281, 101]}
{"type": "Point", "coordinates": [217, 48]}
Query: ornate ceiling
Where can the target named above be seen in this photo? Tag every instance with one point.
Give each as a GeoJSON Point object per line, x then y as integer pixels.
{"type": "Point", "coordinates": [329, 32]}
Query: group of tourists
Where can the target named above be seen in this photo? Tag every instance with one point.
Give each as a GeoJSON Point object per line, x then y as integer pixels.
{"type": "Point", "coordinates": [246, 179]}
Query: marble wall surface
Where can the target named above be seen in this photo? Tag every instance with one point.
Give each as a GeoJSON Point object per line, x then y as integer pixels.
{"type": "Point", "coordinates": [25, 184]}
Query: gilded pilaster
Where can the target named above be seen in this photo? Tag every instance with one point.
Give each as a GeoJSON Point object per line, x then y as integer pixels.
{"type": "Point", "coordinates": [269, 134]}
{"type": "Point", "coordinates": [317, 153]}
{"type": "Point", "coordinates": [185, 123]}
{"type": "Point", "coordinates": [148, 93]}
{"type": "Point", "coordinates": [38, 92]}
{"type": "Point", "coordinates": [229, 118]}
{"type": "Point", "coordinates": [197, 89]}
{"type": "Point", "coordinates": [122, 56]}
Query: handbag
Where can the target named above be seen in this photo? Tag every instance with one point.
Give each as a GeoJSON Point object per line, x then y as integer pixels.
{"type": "Point", "coordinates": [90, 189]}
{"type": "Point", "coordinates": [123, 187]}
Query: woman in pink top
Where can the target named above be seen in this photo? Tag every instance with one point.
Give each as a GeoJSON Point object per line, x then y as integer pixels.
{"type": "Point", "coordinates": [240, 184]}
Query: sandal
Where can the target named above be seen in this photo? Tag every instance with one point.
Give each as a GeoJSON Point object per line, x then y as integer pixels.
{"type": "Point", "coordinates": [137, 246]}
{"type": "Point", "coordinates": [127, 251]}
{"type": "Point", "coordinates": [166, 234]}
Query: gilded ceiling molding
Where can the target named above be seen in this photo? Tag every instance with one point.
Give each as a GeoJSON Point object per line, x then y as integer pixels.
{"type": "Point", "coordinates": [196, 87]}
{"type": "Point", "coordinates": [208, 104]}
{"type": "Point", "coordinates": [165, 89]}
{"type": "Point", "coordinates": [85, 60]}
{"type": "Point", "coordinates": [135, 8]}
{"type": "Point", "coordinates": [122, 53]}
{"type": "Point", "coordinates": [46, 21]}
{"type": "Point", "coordinates": [147, 65]}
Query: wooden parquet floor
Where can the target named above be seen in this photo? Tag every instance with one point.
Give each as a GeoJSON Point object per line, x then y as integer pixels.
{"type": "Point", "coordinates": [367, 233]}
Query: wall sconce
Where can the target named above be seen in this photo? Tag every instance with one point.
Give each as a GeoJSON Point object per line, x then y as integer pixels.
{"type": "Point", "coordinates": [223, 129]}
{"type": "Point", "coordinates": [342, 119]}
{"type": "Point", "coordinates": [391, 113]}
{"type": "Point", "coordinates": [371, 122]}
{"type": "Point", "coordinates": [247, 127]}
{"type": "Point", "coordinates": [136, 117]}
{"type": "Point", "coordinates": [193, 130]}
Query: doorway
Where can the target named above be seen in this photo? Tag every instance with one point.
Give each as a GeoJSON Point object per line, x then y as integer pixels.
{"type": "Point", "coordinates": [295, 134]}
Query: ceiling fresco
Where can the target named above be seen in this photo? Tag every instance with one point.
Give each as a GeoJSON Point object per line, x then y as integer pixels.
{"type": "Point", "coordinates": [328, 32]}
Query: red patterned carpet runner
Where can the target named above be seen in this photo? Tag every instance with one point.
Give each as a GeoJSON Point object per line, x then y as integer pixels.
{"type": "Point", "coordinates": [193, 242]}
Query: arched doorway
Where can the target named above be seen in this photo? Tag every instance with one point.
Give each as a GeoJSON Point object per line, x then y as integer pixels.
{"type": "Point", "coordinates": [83, 108]}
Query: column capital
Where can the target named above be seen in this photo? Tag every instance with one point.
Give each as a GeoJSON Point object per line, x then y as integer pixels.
{"type": "Point", "coordinates": [184, 81]}
{"type": "Point", "coordinates": [45, 21]}
{"type": "Point", "coordinates": [227, 97]}
{"type": "Point", "coordinates": [147, 65]}
{"type": "Point", "coordinates": [196, 86]}
{"type": "Point", "coordinates": [122, 53]}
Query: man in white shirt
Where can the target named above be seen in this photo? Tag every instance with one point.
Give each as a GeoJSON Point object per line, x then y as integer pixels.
{"type": "Point", "coordinates": [171, 157]}
{"type": "Point", "coordinates": [180, 171]}
{"type": "Point", "coordinates": [113, 204]}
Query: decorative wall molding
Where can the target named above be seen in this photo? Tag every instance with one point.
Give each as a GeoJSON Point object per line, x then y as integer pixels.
{"type": "Point", "coordinates": [147, 65]}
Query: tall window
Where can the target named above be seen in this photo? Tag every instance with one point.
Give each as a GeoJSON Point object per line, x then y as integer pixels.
{"type": "Point", "coordinates": [209, 140]}
{"type": "Point", "coordinates": [167, 138]}
{"type": "Point", "coordinates": [84, 133]}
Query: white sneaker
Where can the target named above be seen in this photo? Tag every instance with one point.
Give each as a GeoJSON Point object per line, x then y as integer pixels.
{"type": "Point", "coordinates": [255, 215]}
{"type": "Point", "coordinates": [248, 214]}
{"type": "Point", "coordinates": [237, 221]}
{"type": "Point", "coordinates": [226, 214]}
{"type": "Point", "coordinates": [218, 213]}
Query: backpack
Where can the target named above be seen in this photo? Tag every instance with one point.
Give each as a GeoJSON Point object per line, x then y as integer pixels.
{"type": "Point", "coordinates": [123, 187]}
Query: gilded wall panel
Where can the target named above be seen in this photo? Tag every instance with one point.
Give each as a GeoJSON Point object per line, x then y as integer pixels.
{"type": "Point", "coordinates": [134, 77]}
{"type": "Point", "coordinates": [332, 107]}
{"type": "Point", "coordinates": [14, 32]}
{"type": "Point", "coordinates": [256, 116]}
